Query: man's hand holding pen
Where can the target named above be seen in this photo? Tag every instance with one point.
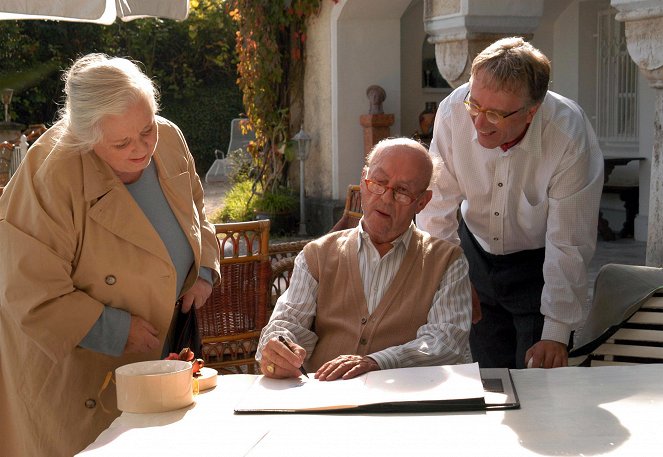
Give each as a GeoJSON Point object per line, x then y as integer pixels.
{"type": "Point", "coordinates": [282, 359]}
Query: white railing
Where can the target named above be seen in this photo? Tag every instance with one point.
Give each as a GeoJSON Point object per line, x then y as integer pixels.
{"type": "Point", "coordinates": [617, 84]}
{"type": "Point", "coordinates": [20, 149]}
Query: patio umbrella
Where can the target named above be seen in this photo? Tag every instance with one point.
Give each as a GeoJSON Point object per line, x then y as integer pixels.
{"type": "Point", "coordinates": [97, 11]}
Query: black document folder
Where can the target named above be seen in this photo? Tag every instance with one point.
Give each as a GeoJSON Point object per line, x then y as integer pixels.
{"type": "Point", "coordinates": [499, 390]}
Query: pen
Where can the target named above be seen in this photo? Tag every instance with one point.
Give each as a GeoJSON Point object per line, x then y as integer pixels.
{"type": "Point", "coordinates": [301, 367]}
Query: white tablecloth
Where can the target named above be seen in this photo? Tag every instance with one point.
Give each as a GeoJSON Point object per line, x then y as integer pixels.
{"type": "Point", "coordinates": [565, 411]}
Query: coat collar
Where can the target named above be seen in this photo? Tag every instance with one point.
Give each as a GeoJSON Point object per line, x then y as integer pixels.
{"type": "Point", "coordinates": [112, 206]}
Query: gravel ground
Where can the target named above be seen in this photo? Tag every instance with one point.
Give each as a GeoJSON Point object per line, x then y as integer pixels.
{"type": "Point", "coordinates": [214, 195]}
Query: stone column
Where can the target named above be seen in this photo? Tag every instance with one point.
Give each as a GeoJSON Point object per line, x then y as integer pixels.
{"type": "Point", "coordinates": [643, 26]}
{"type": "Point", "coordinates": [376, 123]}
{"type": "Point", "coordinates": [460, 29]}
{"type": "Point", "coordinates": [376, 128]}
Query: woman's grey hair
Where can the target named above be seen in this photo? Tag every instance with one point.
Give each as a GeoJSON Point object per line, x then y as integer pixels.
{"type": "Point", "coordinates": [96, 86]}
{"type": "Point", "coordinates": [433, 161]}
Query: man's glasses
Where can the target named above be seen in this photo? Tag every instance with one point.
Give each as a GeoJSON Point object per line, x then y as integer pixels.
{"type": "Point", "coordinates": [399, 195]}
{"type": "Point", "coordinates": [492, 116]}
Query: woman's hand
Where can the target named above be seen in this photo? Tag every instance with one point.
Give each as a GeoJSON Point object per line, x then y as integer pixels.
{"type": "Point", "coordinates": [142, 336]}
{"type": "Point", "coordinates": [197, 295]}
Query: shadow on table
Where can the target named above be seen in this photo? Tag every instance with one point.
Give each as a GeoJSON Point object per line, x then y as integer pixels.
{"type": "Point", "coordinates": [572, 424]}
{"type": "Point", "coordinates": [133, 420]}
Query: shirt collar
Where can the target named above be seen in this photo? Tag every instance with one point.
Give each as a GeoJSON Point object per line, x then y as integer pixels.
{"type": "Point", "coordinates": [506, 146]}
{"type": "Point", "coordinates": [403, 239]}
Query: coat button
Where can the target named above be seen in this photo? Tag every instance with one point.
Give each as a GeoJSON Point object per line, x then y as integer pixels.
{"type": "Point", "coordinates": [362, 341]}
{"type": "Point", "coordinates": [90, 403]}
{"type": "Point", "coordinates": [363, 320]}
{"type": "Point", "coordinates": [110, 280]}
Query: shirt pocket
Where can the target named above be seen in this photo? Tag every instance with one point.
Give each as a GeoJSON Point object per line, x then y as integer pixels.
{"type": "Point", "coordinates": [532, 217]}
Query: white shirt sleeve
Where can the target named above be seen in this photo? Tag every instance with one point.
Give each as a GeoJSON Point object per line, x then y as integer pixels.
{"type": "Point", "coordinates": [294, 311]}
{"type": "Point", "coordinates": [444, 338]}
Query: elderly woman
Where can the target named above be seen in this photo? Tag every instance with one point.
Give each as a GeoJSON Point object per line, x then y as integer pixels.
{"type": "Point", "coordinates": [102, 230]}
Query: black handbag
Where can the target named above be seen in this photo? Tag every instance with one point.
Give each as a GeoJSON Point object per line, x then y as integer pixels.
{"type": "Point", "coordinates": [185, 333]}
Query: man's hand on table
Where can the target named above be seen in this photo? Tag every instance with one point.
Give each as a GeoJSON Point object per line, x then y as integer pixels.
{"type": "Point", "coordinates": [346, 367]}
{"type": "Point", "coordinates": [278, 361]}
{"type": "Point", "coordinates": [547, 354]}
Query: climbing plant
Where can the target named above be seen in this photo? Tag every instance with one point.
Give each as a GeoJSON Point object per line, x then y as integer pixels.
{"type": "Point", "coordinates": [270, 49]}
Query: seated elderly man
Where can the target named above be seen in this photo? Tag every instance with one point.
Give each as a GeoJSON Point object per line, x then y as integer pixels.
{"type": "Point", "coordinates": [382, 295]}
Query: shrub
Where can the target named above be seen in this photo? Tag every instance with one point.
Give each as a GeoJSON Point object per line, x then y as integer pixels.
{"type": "Point", "coordinates": [236, 207]}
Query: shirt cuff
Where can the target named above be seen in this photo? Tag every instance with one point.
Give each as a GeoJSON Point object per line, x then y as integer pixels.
{"type": "Point", "coordinates": [555, 331]}
{"type": "Point", "coordinates": [206, 274]}
{"type": "Point", "coordinates": [384, 359]}
{"type": "Point", "coordinates": [110, 333]}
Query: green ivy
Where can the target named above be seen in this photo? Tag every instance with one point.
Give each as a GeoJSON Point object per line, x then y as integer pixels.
{"type": "Point", "coordinates": [270, 47]}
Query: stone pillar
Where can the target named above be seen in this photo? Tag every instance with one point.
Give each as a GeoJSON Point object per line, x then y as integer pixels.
{"type": "Point", "coordinates": [376, 124]}
{"type": "Point", "coordinates": [376, 128]}
{"type": "Point", "coordinates": [643, 26]}
{"type": "Point", "coordinates": [460, 29]}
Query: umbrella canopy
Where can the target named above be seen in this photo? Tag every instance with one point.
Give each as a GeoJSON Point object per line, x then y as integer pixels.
{"type": "Point", "coordinates": [97, 11]}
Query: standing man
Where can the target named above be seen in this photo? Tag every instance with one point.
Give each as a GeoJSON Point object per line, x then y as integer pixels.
{"type": "Point", "coordinates": [525, 168]}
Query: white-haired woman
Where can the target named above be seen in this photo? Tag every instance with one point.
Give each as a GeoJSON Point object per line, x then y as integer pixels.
{"type": "Point", "coordinates": [102, 230]}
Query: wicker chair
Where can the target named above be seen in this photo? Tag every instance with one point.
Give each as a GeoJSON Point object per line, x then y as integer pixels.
{"type": "Point", "coordinates": [283, 254]}
{"type": "Point", "coordinates": [352, 212]}
{"type": "Point", "coordinates": [239, 306]}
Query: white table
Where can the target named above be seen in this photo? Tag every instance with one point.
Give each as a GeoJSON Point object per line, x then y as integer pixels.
{"type": "Point", "coordinates": [565, 411]}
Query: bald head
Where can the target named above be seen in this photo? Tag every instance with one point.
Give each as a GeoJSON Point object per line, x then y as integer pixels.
{"type": "Point", "coordinates": [409, 151]}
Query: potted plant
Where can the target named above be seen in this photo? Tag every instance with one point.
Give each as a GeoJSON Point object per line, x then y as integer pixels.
{"type": "Point", "coordinates": [280, 207]}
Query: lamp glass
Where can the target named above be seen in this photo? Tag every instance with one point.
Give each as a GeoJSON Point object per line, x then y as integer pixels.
{"type": "Point", "coordinates": [303, 140]}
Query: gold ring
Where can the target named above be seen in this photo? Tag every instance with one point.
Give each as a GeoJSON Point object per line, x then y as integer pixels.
{"type": "Point", "coordinates": [270, 368]}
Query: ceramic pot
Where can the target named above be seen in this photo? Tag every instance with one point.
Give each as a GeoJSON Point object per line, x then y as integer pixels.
{"type": "Point", "coordinates": [427, 118]}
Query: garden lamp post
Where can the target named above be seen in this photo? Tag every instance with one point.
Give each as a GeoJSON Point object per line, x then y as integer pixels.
{"type": "Point", "coordinates": [6, 100]}
{"type": "Point", "coordinates": [303, 146]}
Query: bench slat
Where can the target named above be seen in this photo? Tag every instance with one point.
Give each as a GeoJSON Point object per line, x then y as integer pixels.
{"type": "Point", "coordinates": [625, 350]}
{"type": "Point", "coordinates": [649, 318]}
{"type": "Point", "coordinates": [632, 334]}
{"type": "Point", "coordinates": [653, 303]}
{"type": "Point", "coordinates": [605, 363]}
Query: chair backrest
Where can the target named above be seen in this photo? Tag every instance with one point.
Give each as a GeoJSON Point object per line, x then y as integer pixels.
{"type": "Point", "coordinates": [238, 308]}
{"type": "Point", "coordinates": [352, 212]}
{"type": "Point", "coordinates": [6, 150]}
{"type": "Point", "coordinates": [625, 323]}
{"type": "Point", "coordinates": [283, 254]}
{"type": "Point", "coordinates": [223, 167]}
{"type": "Point", "coordinates": [239, 139]}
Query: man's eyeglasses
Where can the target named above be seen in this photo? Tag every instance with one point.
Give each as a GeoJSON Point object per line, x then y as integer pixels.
{"type": "Point", "coordinates": [492, 116]}
{"type": "Point", "coordinates": [399, 195]}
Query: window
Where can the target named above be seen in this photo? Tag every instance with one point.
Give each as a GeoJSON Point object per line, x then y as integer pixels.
{"type": "Point", "coordinates": [617, 84]}
{"type": "Point", "coordinates": [430, 74]}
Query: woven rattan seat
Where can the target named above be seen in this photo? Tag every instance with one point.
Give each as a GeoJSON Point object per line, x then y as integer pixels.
{"type": "Point", "coordinates": [239, 306]}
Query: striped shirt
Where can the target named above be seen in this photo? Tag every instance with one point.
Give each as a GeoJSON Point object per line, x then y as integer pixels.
{"type": "Point", "coordinates": [443, 339]}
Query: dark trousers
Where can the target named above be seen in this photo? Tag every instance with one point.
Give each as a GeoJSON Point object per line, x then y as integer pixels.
{"type": "Point", "coordinates": [509, 288]}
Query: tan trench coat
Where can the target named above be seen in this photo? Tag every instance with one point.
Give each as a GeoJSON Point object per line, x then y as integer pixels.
{"type": "Point", "coordinates": [73, 239]}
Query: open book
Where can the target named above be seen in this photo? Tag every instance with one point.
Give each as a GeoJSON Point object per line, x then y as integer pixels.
{"type": "Point", "coordinates": [437, 388]}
